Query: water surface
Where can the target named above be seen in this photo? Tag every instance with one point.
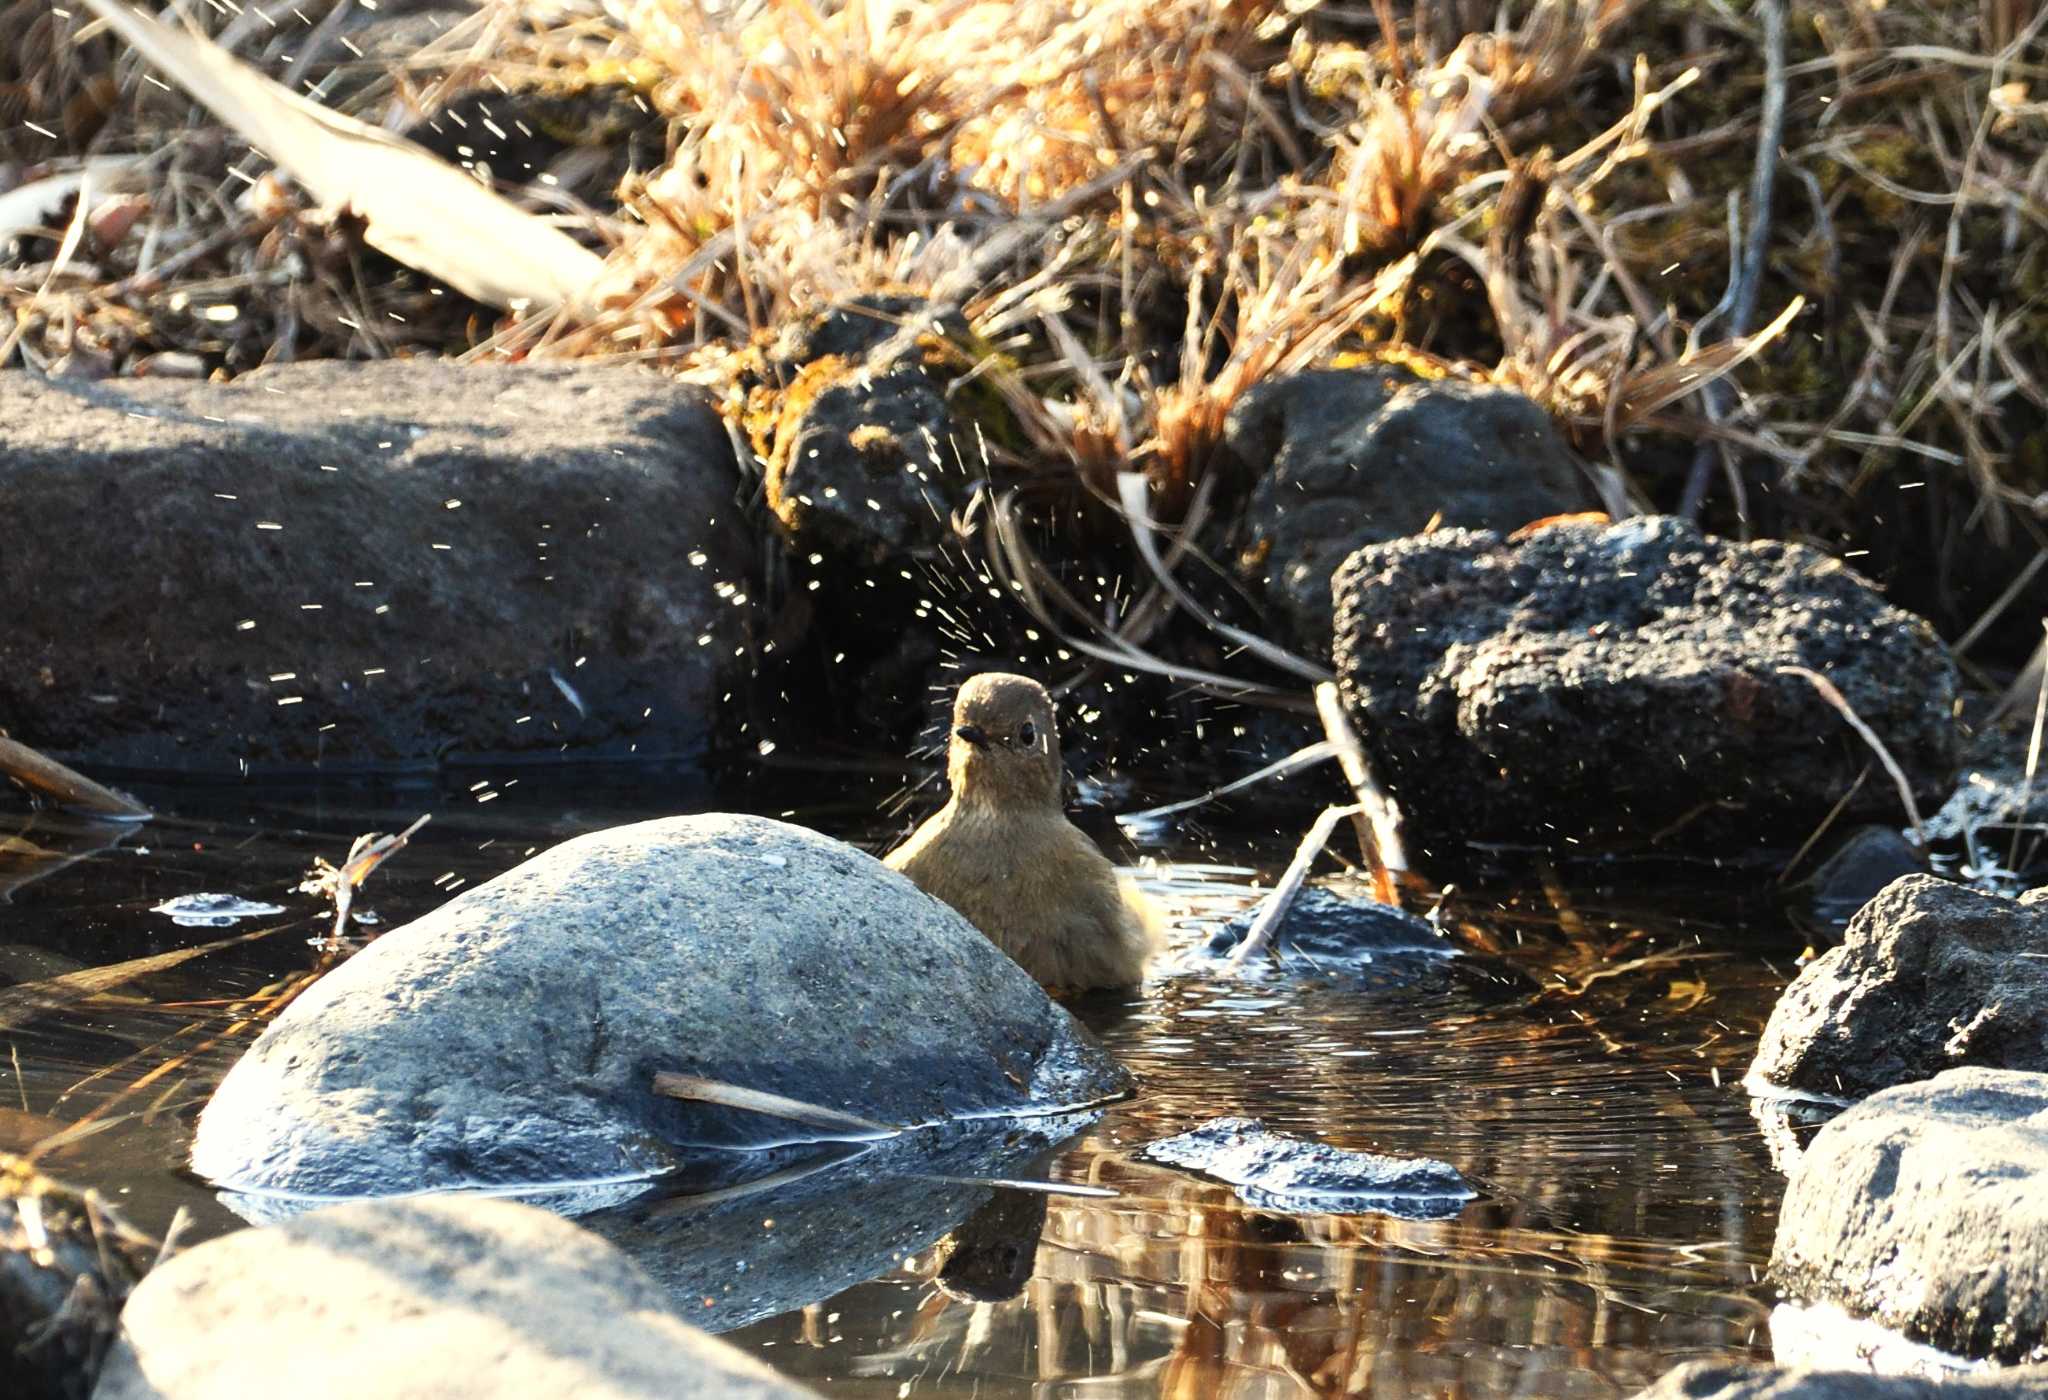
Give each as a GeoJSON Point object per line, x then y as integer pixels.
{"type": "Point", "coordinates": [1582, 1069]}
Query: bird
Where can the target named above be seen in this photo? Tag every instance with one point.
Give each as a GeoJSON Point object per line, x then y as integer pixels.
{"type": "Point", "coordinates": [1002, 853]}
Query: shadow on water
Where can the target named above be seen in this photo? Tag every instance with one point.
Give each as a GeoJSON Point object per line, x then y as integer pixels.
{"type": "Point", "coordinates": [1581, 1067]}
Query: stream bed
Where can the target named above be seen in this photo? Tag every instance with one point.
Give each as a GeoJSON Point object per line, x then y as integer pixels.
{"type": "Point", "coordinates": [1582, 1068]}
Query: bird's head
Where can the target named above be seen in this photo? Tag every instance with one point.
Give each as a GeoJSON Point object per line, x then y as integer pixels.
{"type": "Point", "coordinates": [1004, 749]}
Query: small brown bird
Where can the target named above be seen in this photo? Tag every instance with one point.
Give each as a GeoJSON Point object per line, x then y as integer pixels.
{"type": "Point", "coordinates": [1003, 853]}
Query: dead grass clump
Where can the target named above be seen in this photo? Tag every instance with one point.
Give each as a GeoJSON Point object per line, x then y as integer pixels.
{"type": "Point", "coordinates": [1770, 266]}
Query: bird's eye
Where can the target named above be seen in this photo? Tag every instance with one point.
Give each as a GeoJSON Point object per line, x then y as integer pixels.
{"type": "Point", "coordinates": [1028, 735]}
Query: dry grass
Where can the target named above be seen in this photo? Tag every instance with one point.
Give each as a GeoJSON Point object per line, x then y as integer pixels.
{"type": "Point", "coordinates": [1145, 207]}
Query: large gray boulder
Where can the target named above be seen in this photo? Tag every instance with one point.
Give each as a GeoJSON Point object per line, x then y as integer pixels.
{"type": "Point", "coordinates": [1350, 457]}
{"type": "Point", "coordinates": [439, 1298]}
{"type": "Point", "coordinates": [512, 1036]}
{"type": "Point", "coordinates": [1925, 1209]}
{"type": "Point", "coordinates": [1929, 976]}
{"type": "Point", "coordinates": [1624, 683]}
{"type": "Point", "coordinates": [370, 565]}
{"type": "Point", "coordinates": [1716, 1380]}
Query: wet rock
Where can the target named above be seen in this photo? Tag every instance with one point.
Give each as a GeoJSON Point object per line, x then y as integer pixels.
{"type": "Point", "coordinates": [1624, 683]}
{"type": "Point", "coordinates": [378, 565]}
{"type": "Point", "coordinates": [512, 1036]}
{"type": "Point", "coordinates": [1324, 931]}
{"type": "Point", "coordinates": [66, 1264]}
{"type": "Point", "coordinates": [1929, 976]}
{"type": "Point", "coordinates": [863, 456]}
{"type": "Point", "coordinates": [1925, 1208]}
{"type": "Point", "coordinates": [1722, 1380]}
{"type": "Point", "coordinates": [1992, 801]}
{"type": "Point", "coordinates": [1857, 870]}
{"type": "Point", "coordinates": [1273, 1171]}
{"type": "Point", "coordinates": [1350, 457]}
{"type": "Point", "coordinates": [422, 1298]}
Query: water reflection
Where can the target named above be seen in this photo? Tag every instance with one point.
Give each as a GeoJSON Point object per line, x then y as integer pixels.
{"type": "Point", "coordinates": [1581, 1066]}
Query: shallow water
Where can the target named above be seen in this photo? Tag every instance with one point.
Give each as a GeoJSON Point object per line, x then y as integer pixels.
{"type": "Point", "coordinates": [1584, 1074]}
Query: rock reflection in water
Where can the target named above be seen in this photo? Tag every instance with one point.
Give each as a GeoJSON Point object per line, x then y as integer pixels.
{"type": "Point", "coordinates": [738, 1254]}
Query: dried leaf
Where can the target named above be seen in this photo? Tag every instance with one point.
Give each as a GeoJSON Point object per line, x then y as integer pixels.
{"type": "Point", "coordinates": [416, 207]}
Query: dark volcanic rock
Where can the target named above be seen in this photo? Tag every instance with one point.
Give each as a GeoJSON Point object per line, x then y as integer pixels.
{"type": "Point", "coordinates": [367, 564]}
{"type": "Point", "coordinates": [1624, 682]}
{"type": "Point", "coordinates": [1925, 1209]}
{"type": "Point", "coordinates": [1720, 1380]}
{"type": "Point", "coordinates": [1929, 976]}
{"type": "Point", "coordinates": [427, 1298]}
{"type": "Point", "coordinates": [1350, 457]}
{"type": "Point", "coordinates": [1273, 1171]}
{"type": "Point", "coordinates": [1324, 931]}
{"type": "Point", "coordinates": [512, 1036]}
{"type": "Point", "coordinates": [863, 455]}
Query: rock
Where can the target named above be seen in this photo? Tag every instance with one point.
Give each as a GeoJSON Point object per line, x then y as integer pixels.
{"type": "Point", "coordinates": [1826, 1337]}
{"type": "Point", "coordinates": [1324, 932]}
{"type": "Point", "coordinates": [66, 1264]}
{"type": "Point", "coordinates": [512, 1036]}
{"type": "Point", "coordinates": [428, 1298]}
{"type": "Point", "coordinates": [863, 455]}
{"type": "Point", "coordinates": [1345, 458]}
{"type": "Point", "coordinates": [210, 576]}
{"type": "Point", "coordinates": [1925, 1209]}
{"type": "Point", "coordinates": [1275, 1172]}
{"type": "Point", "coordinates": [1991, 801]}
{"type": "Point", "coordinates": [1929, 976]}
{"type": "Point", "coordinates": [855, 326]}
{"type": "Point", "coordinates": [1624, 684]}
{"type": "Point", "coordinates": [1719, 1380]}
{"type": "Point", "coordinates": [1857, 870]}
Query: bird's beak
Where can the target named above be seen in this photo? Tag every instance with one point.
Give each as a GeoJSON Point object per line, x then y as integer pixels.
{"type": "Point", "coordinates": [973, 734]}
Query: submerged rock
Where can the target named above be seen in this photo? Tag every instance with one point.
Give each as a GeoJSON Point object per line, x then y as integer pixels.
{"type": "Point", "coordinates": [1345, 458]}
{"type": "Point", "coordinates": [1726, 1380]}
{"type": "Point", "coordinates": [513, 1035]}
{"type": "Point", "coordinates": [369, 565]}
{"type": "Point", "coordinates": [1925, 1208]}
{"type": "Point", "coordinates": [66, 1264]}
{"type": "Point", "coordinates": [1273, 1171]}
{"type": "Point", "coordinates": [427, 1298]}
{"type": "Point", "coordinates": [1324, 931]}
{"type": "Point", "coordinates": [1624, 683]}
{"type": "Point", "coordinates": [1857, 870]}
{"type": "Point", "coordinates": [1929, 976]}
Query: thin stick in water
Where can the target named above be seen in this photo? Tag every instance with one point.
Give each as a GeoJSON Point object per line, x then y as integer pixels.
{"type": "Point", "coordinates": [1379, 820]}
{"type": "Point", "coordinates": [1277, 903]}
{"type": "Point", "coordinates": [697, 1089]}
